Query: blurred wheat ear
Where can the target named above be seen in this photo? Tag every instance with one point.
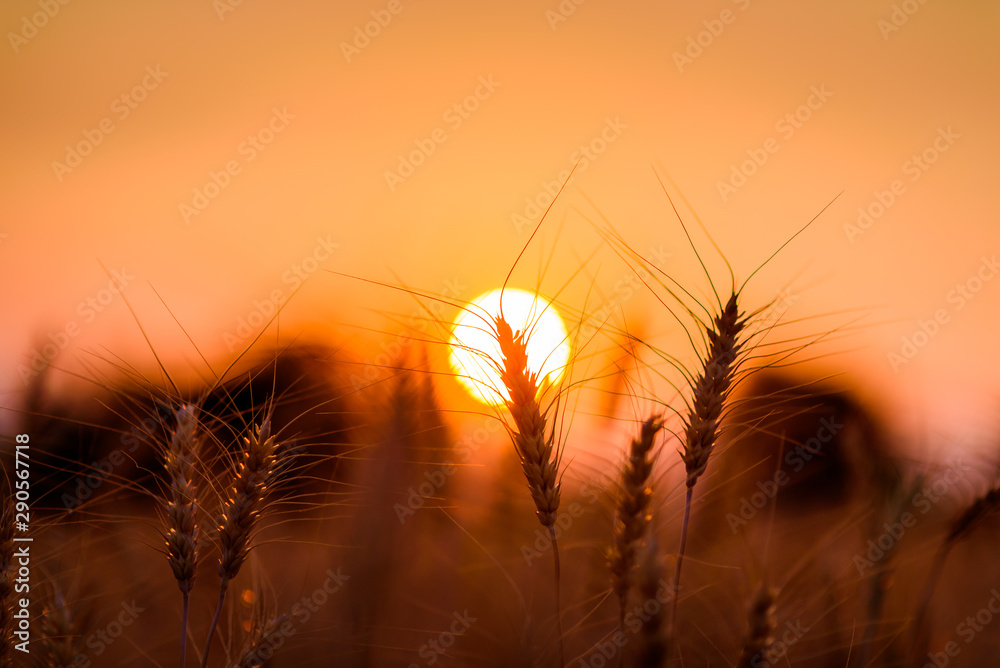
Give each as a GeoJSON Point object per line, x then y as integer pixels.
{"type": "Point", "coordinates": [760, 634]}
{"type": "Point", "coordinates": [632, 519]}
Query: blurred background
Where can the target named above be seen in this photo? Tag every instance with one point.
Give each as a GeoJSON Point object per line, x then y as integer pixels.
{"type": "Point", "coordinates": [219, 157]}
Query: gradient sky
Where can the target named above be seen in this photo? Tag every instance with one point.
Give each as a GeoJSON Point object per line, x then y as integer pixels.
{"type": "Point", "coordinates": [333, 121]}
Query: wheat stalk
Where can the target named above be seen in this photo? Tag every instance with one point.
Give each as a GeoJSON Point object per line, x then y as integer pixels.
{"type": "Point", "coordinates": [653, 644]}
{"type": "Point", "coordinates": [971, 517]}
{"type": "Point", "coordinates": [261, 635]}
{"type": "Point", "coordinates": [536, 452]}
{"type": "Point", "coordinates": [710, 390]}
{"type": "Point", "coordinates": [760, 635]}
{"type": "Point", "coordinates": [241, 510]}
{"type": "Point", "coordinates": [182, 508]}
{"type": "Point", "coordinates": [632, 519]}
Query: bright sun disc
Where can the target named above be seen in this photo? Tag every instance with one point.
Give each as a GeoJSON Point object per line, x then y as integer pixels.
{"type": "Point", "coordinates": [474, 343]}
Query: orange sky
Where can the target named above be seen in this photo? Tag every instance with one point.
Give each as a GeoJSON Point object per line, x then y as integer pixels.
{"type": "Point", "coordinates": [308, 130]}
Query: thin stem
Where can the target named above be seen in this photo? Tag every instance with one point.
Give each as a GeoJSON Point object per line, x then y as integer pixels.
{"type": "Point", "coordinates": [671, 622]}
{"type": "Point", "coordinates": [621, 630]}
{"type": "Point", "coordinates": [925, 600]}
{"type": "Point", "coordinates": [559, 625]}
{"type": "Point", "coordinates": [184, 628]}
{"type": "Point", "coordinates": [215, 622]}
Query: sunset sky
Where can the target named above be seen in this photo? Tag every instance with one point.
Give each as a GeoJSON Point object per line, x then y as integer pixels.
{"type": "Point", "coordinates": [225, 153]}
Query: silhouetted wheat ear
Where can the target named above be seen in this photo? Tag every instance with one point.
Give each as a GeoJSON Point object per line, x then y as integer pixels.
{"type": "Point", "coordinates": [632, 520]}
{"type": "Point", "coordinates": [180, 461]}
{"type": "Point", "coordinates": [240, 512]}
{"type": "Point", "coordinates": [539, 460]}
{"type": "Point", "coordinates": [7, 582]}
{"type": "Point", "coordinates": [710, 390]}
{"type": "Point", "coordinates": [760, 635]}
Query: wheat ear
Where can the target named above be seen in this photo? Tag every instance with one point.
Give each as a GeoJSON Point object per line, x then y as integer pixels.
{"type": "Point", "coordinates": [6, 582]}
{"type": "Point", "coordinates": [180, 459]}
{"type": "Point", "coordinates": [710, 390]}
{"type": "Point", "coordinates": [61, 640]}
{"type": "Point", "coordinates": [760, 635]}
{"type": "Point", "coordinates": [539, 458]}
{"type": "Point", "coordinates": [241, 510]}
{"type": "Point", "coordinates": [970, 518]}
{"type": "Point", "coordinates": [632, 520]}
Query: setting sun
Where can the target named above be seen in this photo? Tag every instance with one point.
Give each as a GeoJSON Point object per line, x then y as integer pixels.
{"type": "Point", "coordinates": [475, 350]}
